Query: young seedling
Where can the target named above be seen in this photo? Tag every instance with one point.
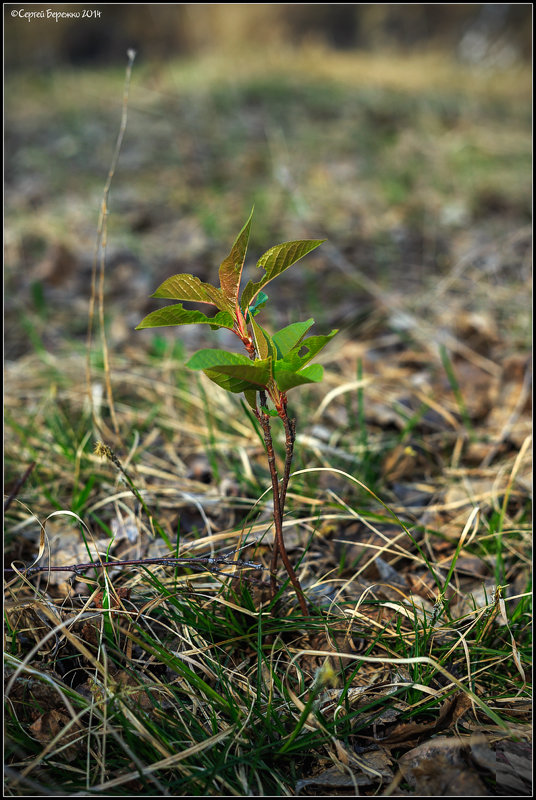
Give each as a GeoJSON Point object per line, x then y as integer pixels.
{"type": "Point", "coordinates": [274, 364]}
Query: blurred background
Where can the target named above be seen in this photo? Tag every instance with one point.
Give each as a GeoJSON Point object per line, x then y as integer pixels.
{"type": "Point", "coordinates": [494, 33]}
{"type": "Point", "coordinates": [400, 132]}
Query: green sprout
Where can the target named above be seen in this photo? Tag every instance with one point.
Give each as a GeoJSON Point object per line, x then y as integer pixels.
{"type": "Point", "coordinates": [274, 364]}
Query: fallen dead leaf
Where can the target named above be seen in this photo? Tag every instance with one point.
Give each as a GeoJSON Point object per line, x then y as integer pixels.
{"type": "Point", "coordinates": [116, 596]}
{"type": "Point", "coordinates": [48, 725]}
{"type": "Point", "coordinates": [450, 712]}
{"type": "Point", "coordinates": [372, 768]}
{"type": "Point", "coordinates": [439, 768]}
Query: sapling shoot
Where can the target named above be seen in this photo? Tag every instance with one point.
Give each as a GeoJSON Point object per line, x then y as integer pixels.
{"type": "Point", "coordinates": [274, 364]}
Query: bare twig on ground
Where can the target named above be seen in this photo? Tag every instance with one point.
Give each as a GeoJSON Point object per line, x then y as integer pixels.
{"type": "Point", "coordinates": [209, 562]}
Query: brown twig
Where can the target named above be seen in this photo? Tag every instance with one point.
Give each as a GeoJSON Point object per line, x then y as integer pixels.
{"type": "Point", "coordinates": [207, 561]}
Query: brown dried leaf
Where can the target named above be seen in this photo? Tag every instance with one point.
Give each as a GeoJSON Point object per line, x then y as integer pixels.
{"type": "Point", "coordinates": [334, 779]}
{"type": "Point", "coordinates": [438, 768]}
{"type": "Point", "coordinates": [48, 725]}
{"type": "Point", "coordinates": [130, 688]}
{"type": "Point", "coordinates": [90, 633]}
{"type": "Point", "coordinates": [28, 692]}
{"type": "Point", "coordinates": [451, 710]}
{"type": "Point", "coordinates": [369, 768]}
{"type": "Point", "coordinates": [116, 596]}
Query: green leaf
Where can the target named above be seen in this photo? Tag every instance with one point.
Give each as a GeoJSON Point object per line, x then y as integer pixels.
{"type": "Point", "coordinates": [286, 379]}
{"type": "Point", "coordinates": [212, 357]}
{"type": "Point", "coordinates": [305, 350]}
{"type": "Point", "coordinates": [291, 371]}
{"type": "Point", "coordinates": [263, 341]}
{"type": "Point", "coordinates": [251, 397]}
{"type": "Point", "coordinates": [270, 411]}
{"type": "Point", "coordinates": [231, 383]}
{"type": "Point", "coordinates": [275, 261]}
{"type": "Point", "coordinates": [287, 338]}
{"type": "Point", "coordinates": [255, 307]}
{"type": "Point", "coordinates": [231, 268]}
{"type": "Point", "coordinates": [177, 315]}
{"type": "Point", "coordinates": [234, 372]}
{"type": "Point", "coordinates": [188, 287]}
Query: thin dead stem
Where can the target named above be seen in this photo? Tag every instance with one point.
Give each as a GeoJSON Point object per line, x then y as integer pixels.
{"type": "Point", "coordinates": [100, 258]}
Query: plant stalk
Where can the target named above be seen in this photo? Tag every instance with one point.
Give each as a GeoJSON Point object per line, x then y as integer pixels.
{"type": "Point", "coordinates": [279, 543]}
{"type": "Point", "coordinates": [290, 437]}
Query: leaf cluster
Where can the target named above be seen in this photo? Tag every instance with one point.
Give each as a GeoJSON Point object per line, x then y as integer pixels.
{"type": "Point", "coordinates": [274, 364]}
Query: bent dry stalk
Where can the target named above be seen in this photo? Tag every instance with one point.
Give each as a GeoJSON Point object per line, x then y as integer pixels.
{"type": "Point", "coordinates": [274, 364]}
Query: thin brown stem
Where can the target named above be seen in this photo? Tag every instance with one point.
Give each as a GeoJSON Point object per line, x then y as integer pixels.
{"type": "Point", "coordinates": [279, 543]}
{"type": "Point", "coordinates": [290, 436]}
{"type": "Point", "coordinates": [268, 436]}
